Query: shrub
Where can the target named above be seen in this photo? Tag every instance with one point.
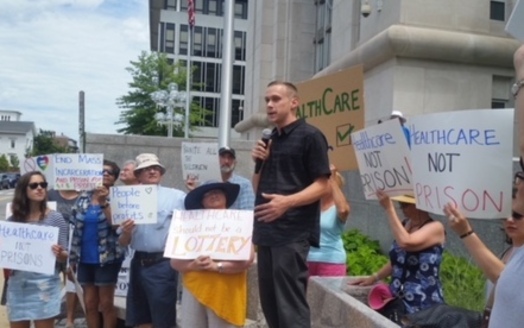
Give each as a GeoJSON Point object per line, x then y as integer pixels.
{"type": "Point", "coordinates": [364, 256]}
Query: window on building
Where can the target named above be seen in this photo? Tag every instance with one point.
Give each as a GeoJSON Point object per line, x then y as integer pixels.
{"type": "Point", "coordinates": [497, 10]}
{"type": "Point", "coordinates": [197, 41]}
{"type": "Point", "coordinates": [169, 44]}
{"type": "Point", "coordinates": [240, 45]}
{"type": "Point", "coordinates": [182, 47]}
{"type": "Point", "coordinates": [183, 5]}
{"type": "Point", "coordinates": [211, 43]}
{"type": "Point", "coordinates": [170, 4]}
{"type": "Point", "coordinates": [237, 112]}
{"type": "Point", "coordinates": [13, 143]}
{"type": "Point", "coordinates": [322, 39]}
{"type": "Point", "coordinates": [498, 103]}
{"type": "Point", "coordinates": [199, 6]}
{"type": "Point", "coordinates": [238, 79]}
{"type": "Point", "coordinates": [241, 9]}
{"type": "Point", "coordinates": [500, 92]}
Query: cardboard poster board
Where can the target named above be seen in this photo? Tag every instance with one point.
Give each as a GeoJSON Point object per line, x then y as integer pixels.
{"type": "Point", "coordinates": [77, 171]}
{"type": "Point", "coordinates": [200, 161]}
{"type": "Point", "coordinates": [383, 159]}
{"type": "Point", "coordinates": [137, 202]}
{"type": "Point", "coordinates": [27, 247]}
{"type": "Point", "coordinates": [335, 104]}
{"type": "Point", "coordinates": [8, 212]}
{"type": "Point", "coordinates": [220, 234]}
{"type": "Point", "coordinates": [463, 157]}
{"type": "Point", "coordinates": [42, 163]}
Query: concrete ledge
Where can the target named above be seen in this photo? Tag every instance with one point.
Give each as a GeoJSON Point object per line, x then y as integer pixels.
{"type": "Point", "coordinates": [333, 307]}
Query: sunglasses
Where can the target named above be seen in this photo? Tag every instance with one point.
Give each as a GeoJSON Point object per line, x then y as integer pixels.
{"type": "Point", "coordinates": [519, 176]}
{"type": "Point", "coordinates": [108, 172]}
{"type": "Point", "coordinates": [35, 185]}
{"type": "Point", "coordinates": [516, 216]}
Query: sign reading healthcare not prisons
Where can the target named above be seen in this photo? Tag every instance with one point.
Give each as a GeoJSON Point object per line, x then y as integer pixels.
{"type": "Point", "coordinates": [27, 247]}
{"type": "Point", "coordinates": [464, 158]}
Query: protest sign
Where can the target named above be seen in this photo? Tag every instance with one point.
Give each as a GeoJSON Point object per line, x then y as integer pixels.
{"type": "Point", "coordinates": [465, 158]}
{"type": "Point", "coordinates": [220, 234]}
{"type": "Point", "coordinates": [383, 158]}
{"type": "Point", "coordinates": [27, 247]}
{"type": "Point", "coordinates": [43, 164]}
{"type": "Point", "coordinates": [515, 25]}
{"type": "Point", "coordinates": [78, 171]}
{"type": "Point", "coordinates": [122, 284]}
{"type": "Point", "coordinates": [8, 212]}
{"type": "Point", "coordinates": [335, 104]}
{"type": "Point", "coordinates": [137, 202]}
{"type": "Point", "coordinates": [200, 161]}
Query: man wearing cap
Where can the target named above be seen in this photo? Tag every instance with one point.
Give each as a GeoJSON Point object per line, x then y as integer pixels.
{"type": "Point", "coordinates": [227, 160]}
{"type": "Point", "coordinates": [152, 294]}
{"type": "Point", "coordinates": [396, 114]}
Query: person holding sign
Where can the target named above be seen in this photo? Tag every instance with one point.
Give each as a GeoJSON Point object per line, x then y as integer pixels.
{"type": "Point", "coordinates": [330, 258]}
{"type": "Point", "coordinates": [152, 295]}
{"type": "Point", "coordinates": [209, 283]}
{"type": "Point", "coordinates": [95, 250]}
{"type": "Point", "coordinates": [35, 296]}
{"type": "Point", "coordinates": [415, 256]}
{"type": "Point", "coordinates": [293, 177]}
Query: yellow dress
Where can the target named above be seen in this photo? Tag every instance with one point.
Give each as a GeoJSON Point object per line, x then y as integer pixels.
{"type": "Point", "coordinates": [224, 294]}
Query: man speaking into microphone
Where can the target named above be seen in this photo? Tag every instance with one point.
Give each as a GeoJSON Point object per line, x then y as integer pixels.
{"type": "Point", "coordinates": [290, 179]}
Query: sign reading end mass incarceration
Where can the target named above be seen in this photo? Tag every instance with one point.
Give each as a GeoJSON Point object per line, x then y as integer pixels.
{"type": "Point", "coordinates": [464, 158]}
{"type": "Point", "coordinates": [78, 171]}
{"type": "Point", "coordinates": [27, 247]}
{"type": "Point", "coordinates": [220, 234]}
{"type": "Point", "coordinates": [383, 159]}
{"type": "Point", "coordinates": [335, 104]}
{"type": "Point", "coordinates": [137, 202]}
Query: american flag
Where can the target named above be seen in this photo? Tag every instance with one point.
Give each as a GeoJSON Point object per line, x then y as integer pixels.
{"type": "Point", "coordinates": [191, 12]}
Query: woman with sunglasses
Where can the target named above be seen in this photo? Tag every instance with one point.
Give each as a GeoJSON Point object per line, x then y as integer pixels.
{"type": "Point", "coordinates": [415, 256]}
{"type": "Point", "coordinates": [507, 277]}
{"type": "Point", "coordinates": [35, 296]}
{"type": "Point", "coordinates": [95, 248]}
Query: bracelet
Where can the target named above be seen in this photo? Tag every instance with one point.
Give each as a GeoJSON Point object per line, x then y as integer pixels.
{"type": "Point", "coordinates": [467, 234]}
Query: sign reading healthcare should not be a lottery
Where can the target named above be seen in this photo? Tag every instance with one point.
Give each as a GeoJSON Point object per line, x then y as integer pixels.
{"type": "Point", "coordinates": [27, 247]}
{"type": "Point", "coordinates": [220, 234]}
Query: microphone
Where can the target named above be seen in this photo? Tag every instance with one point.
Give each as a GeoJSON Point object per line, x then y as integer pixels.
{"type": "Point", "coordinates": [266, 135]}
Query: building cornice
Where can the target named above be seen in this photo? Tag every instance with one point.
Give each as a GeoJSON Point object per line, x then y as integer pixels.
{"type": "Point", "coordinates": [417, 43]}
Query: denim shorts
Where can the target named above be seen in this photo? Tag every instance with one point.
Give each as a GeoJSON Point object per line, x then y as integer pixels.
{"type": "Point", "coordinates": [98, 275]}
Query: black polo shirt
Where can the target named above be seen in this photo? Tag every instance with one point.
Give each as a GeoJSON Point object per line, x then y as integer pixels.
{"type": "Point", "coordinates": [298, 156]}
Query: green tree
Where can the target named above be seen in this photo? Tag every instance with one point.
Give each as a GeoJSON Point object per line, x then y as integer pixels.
{"type": "Point", "coordinates": [15, 162]}
{"type": "Point", "coordinates": [44, 143]}
{"type": "Point", "coordinates": [152, 72]}
{"type": "Point", "coordinates": [4, 163]}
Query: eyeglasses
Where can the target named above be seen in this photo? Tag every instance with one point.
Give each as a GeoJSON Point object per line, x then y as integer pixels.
{"type": "Point", "coordinates": [519, 176]}
{"type": "Point", "coordinates": [35, 185]}
{"type": "Point", "coordinates": [154, 168]}
{"type": "Point", "coordinates": [516, 216]}
{"type": "Point", "coordinates": [108, 172]}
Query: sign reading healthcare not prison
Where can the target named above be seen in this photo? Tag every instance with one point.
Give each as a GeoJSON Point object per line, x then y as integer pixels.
{"type": "Point", "coordinates": [383, 159]}
{"type": "Point", "coordinates": [464, 158]}
{"type": "Point", "coordinates": [220, 234]}
{"type": "Point", "coordinates": [27, 247]}
{"type": "Point", "coordinates": [335, 104]}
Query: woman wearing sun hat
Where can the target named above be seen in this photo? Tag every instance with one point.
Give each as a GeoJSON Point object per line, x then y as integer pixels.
{"type": "Point", "coordinates": [415, 256]}
{"type": "Point", "coordinates": [215, 292]}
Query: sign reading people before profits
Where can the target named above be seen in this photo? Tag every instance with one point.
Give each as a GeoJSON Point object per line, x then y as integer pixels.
{"type": "Point", "coordinates": [43, 164]}
{"type": "Point", "coordinates": [220, 234]}
{"type": "Point", "coordinates": [78, 171]}
{"type": "Point", "coordinates": [136, 202]}
{"type": "Point", "coordinates": [335, 104]}
{"type": "Point", "coordinates": [27, 247]}
{"type": "Point", "coordinates": [383, 159]}
{"type": "Point", "coordinates": [200, 161]}
{"type": "Point", "coordinates": [463, 158]}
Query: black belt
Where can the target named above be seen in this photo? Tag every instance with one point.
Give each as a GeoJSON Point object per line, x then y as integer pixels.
{"type": "Point", "coordinates": [148, 259]}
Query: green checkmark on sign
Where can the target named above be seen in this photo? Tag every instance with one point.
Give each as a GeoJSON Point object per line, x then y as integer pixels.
{"type": "Point", "coordinates": [343, 133]}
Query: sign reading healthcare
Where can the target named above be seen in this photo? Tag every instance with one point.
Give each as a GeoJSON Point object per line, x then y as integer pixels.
{"type": "Point", "coordinates": [220, 234]}
{"type": "Point", "coordinates": [137, 202]}
{"type": "Point", "coordinates": [383, 159]}
{"type": "Point", "coordinates": [335, 104]}
{"type": "Point", "coordinates": [27, 247]}
{"type": "Point", "coordinates": [78, 171]}
{"type": "Point", "coordinates": [200, 161]}
{"type": "Point", "coordinates": [463, 157]}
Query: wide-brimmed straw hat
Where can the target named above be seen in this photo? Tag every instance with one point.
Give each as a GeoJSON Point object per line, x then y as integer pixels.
{"type": "Point", "coordinates": [405, 199]}
{"type": "Point", "coordinates": [146, 160]}
{"type": "Point", "coordinates": [193, 200]}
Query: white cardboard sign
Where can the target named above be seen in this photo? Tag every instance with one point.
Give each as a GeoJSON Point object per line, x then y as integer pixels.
{"type": "Point", "coordinates": [220, 234]}
{"type": "Point", "coordinates": [383, 159]}
{"type": "Point", "coordinates": [200, 161]}
{"type": "Point", "coordinates": [515, 25]}
{"type": "Point", "coordinates": [78, 171]}
{"type": "Point", "coordinates": [465, 158]}
{"type": "Point", "coordinates": [8, 212]}
{"type": "Point", "coordinates": [137, 202]}
{"type": "Point", "coordinates": [27, 247]}
{"type": "Point", "coordinates": [43, 164]}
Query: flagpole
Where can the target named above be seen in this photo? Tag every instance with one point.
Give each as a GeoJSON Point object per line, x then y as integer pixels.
{"type": "Point", "coordinates": [188, 81]}
{"type": "Point", "coordinates": [227, 75]}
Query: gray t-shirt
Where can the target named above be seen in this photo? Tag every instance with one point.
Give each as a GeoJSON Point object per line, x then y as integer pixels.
{"type": "Point", "coordinates": [507, 308]}
{"type": "Point", "coordinates": [63, 206]}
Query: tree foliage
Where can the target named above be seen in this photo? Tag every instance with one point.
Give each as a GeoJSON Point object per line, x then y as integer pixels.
{"type": "Point", "coordinates": [4, 163]}
{"type": "Point", "coordinates": [44, 143]}
{"type": "Point", "coordinates": [152, 72]}
{"type": "Point", "coordinates": [15, 162]}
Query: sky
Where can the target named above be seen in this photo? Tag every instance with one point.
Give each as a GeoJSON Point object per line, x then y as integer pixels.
{"type": "Point", "coordinates": [52, 49]}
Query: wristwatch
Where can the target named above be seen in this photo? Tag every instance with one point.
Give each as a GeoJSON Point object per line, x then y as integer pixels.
{"type": "Point", "coordinates": [220, 267]}
{"type": "Point", "coordinates": [515, 88]}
